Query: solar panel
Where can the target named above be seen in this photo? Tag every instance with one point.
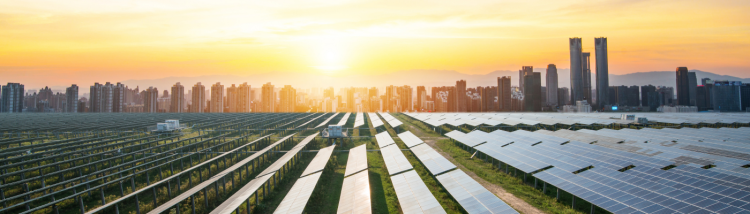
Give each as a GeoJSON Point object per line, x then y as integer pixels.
{"type": "Point", "coordinates": [319, 162]}
{"type": "Point", "coordinates": [357, 160]}
{"type": "Point", "coordinates": [384, 139]}
{"type": "Point", "coordinates": [413, 195]}
{"type": "Point", "coordinates": [287, 156]}
{"type": "Point", "coordinates": [431, 159]}
{"type": "Point", "coordinates": [233, 203]}
{"type": "Point", "coordinates": [297, 197]}
{"type": "Point", "coordinates": [375, 120]}
{"type": "Point", "coordinates": [410, 139]}
{"type": "Point", "coordinates": [359, 120]}
{"type": "Point", "coordinates": [395, 160]}
{"type": "Point", "coordinates": [355, 194]}
{"type": "Point", "coordinates": [344, 119]}
{"type": "Point", "coordinates": [472, 196]}
{"type": "Point", "coordinates": [327, 120]}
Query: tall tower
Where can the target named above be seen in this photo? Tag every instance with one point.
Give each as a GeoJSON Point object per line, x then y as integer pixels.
{"type": "Point", "coordinates": [576, 70]}
{"type": "Point", "coordinates": [586, 68]}
{"type": "Point", "coordinates": [118, 98]}
{"type": "Point", "coordinates": [683, 90]}
{"type": "Point", "coordinates": [231, 98]}
{"type": "Point", "coordinates": [217, 98]}
{"type": "Point", "coordinates": [525, 70]}
{"type": "Point", "coordinates": [551, 85]}
{"type": "Point", "coordinates": [532, 92]}
{"type": "Point", "coordinates": [461, 96]}
{"type": "Point", "coordinates": [71, 98]}
{"type": "Point", "coordinates": [602, 72]}
{"type": "Point", "coordinates": [504, 93]}
{"type": "Point", "coordinates": [421, 98]}
{"type": "Point", "coordinates": [177, 99]}
{"type": "Point", "coordinates": [150, 100]}
{"type": "Point", "coordinates": [268, 99]}
{"type": "Point", "coordinates": [12, 99]}
{"type": "Point", "coordinates": [692, 88]}
{"type": "Point", "coordinates": [288, 99]}
{"type": "Point", "coordinates": [244, 98]}
{"type": "Point", "coordinates": [198, 99]}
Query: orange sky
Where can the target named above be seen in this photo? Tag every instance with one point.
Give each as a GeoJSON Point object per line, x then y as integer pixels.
{"type": "Point", "coordinates": [63, 42]}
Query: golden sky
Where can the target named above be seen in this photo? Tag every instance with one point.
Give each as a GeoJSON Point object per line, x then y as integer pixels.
{"type": "Point", "coordinates": [62, 42]}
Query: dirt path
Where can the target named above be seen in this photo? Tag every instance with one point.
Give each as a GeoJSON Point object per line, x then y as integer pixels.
{"type": "Point", "coordinates": [517, 203]}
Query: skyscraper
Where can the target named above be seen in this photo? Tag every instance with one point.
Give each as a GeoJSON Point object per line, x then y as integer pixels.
{"type": "Point", "coordinates": [244, 97]}
{"type": "Point", "coordinates": [551, 85]}
{"type": "Point", "coordinates": [12, 99]}
{"type": "Point", "coordinates": [683, 86]}
{"type": "Point", "coordinates": [726, 96]}
{"type": "Point", "coordinates": [421, 98]}
{"type": "Point", "coordinates": [71, 98]}
{"type": "Point", "coordinates": [405, 96]}
{"type": "Point", "coordinates": [586, 68]}
{"type": "Point", "coordinates": [391, 102]}
{"type": "Point", "coordinates": [101, 98]}
{"type": "Point", "coordinates": [217, 98]}
{"type": "Point", "coordinates": [177, 99]}
{"type": "Point", "coordinates": [563, 96]}
{"type": "Point", "coordinates": [198, 98]}
{"type": "Point", "coordinates": [602, 72]}
{"type": "Point", "coordinates": [268, 99]}
{"type": "Point", "coordinates": [692, 84]}
{"type": "Point", "coordinates": [150, 100]}
{"type": "Point", "coordinates": [576, 70]}
{"type": "Point", "coordinates": [525, 70]}
{"type": "Point", "coordinates": [231, 99]}
{"type": "Point", "coordinates": [504, 94]}
{"type": "Point", "coordinates": [461, 98]}
{"type": "Point", "coordinates": [118, 97]}
{"type": "Point", "coordinates": [532, 92]}
{"type": "Point", "coordinates": [645, 91]}
{"type": "Point", "coordinates": [288, 99]}
{"type": "Point", "coordinates": [745, 97]}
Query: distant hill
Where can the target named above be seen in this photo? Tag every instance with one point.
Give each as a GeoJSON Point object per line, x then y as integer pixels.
{"type": "Point", "coordinates": [413, 78]}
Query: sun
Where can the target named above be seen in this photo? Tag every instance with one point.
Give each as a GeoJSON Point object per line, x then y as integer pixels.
{"type": "Point", "coordinates": [329, 54]}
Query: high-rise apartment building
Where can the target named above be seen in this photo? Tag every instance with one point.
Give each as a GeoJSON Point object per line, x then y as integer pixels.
{"type": "Point", "coordinates": [563, 96]}
{"type": "Point", "coordinates": [71, 98]}
{"type": "Point", "coordinates": [461, 99]}
{"type": "Point", "coordinates": [151, 100]}
{"type": "Point", "coordinates": [231, 99]}
{"type": "Point", "coordinates": [525, 70]}
{"type": "Point", "coordinates": [586, 67]}
{"type": "Point", "coordinates": [645, 91]}
{"type": "Point", "coordinates": [288, 99]}
{"type": "Point", "coordinates": [101, 98]}
{"type": "Point", "coordinates": [118, 97]}
{"type": "Point", "coordinates": [633, 96]}
{"type": "Point", "coordinates": [726, 96]}
{"type": "Point", "coordinates": [576, 70]}
{"type": "Point", "coordinates": [217, 98]}
{"type": "Point", "coordinates": [268, 98]}
{"type": "Point", "coordinates": [602, 72]}
{"type": "Point", "coordinates": [683, 86]}
{"type": "Point", "coordinates": [533, 92]}
{"type": "Point", "coordinates": [177, 99]}
{"type": "Point", "coordinates": [421, 98]}
{"type": "Point", "coordinates": [244, 98]}
{"type": "Point", "coordinates": [391, 102]}
{"type": "Point", "coordinates": [551, 86]}
{"type": "Point", "coordinates": [405, 96]}
{"type": "Point", "coordinates": [745, 97]}
{"type": "Point", "coordinates": [198, 98]}
{"type": "Point", "coordinates": [12, 99]}
{"type": "Point", "coordinates": [504, 94]}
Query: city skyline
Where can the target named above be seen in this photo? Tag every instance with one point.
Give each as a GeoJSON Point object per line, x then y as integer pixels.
{"type": "Point", "coordinates": [122, 41]}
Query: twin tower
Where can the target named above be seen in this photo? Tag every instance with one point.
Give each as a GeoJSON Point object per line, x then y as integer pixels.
{"type": "Point", "coordinates": [580, 71]}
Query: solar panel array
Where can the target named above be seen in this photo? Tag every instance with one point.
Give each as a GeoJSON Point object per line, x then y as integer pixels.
{"type": "Point", "coordinates": [391, 120]}
{"type": "Point", "coordinates": [357, 160]}
{"type": "Point", "coordinates": [630, 167]}
{"type": "Point", "coordinates": [359, 120]}
{"type": "Point", "coordinates": [355, 194]}
{"type": "Point", "coordinates": [233, 202]}
{"type": "Point", "coordinates": [319, 161]}
{"type": "Point", "coordinates": [395, 160]}
{"type": "Point", "coordinates": [276, 166]}
{"type": "Point", "coordinates": [410, 139]}
{"type": "Point", "coordinates": [494, 119]}
{"type": "Point", "coordinates": [384, 139]}
{"type": "Point", "coordinates": [413, 195]}
{"type": "Point", "coordinates": [432, 160]}
{"type": "Point", "coordinates": [327, 120]}
{"type": "Point", "coordinates": [297, 197]}
{"type": "Point", "coordinates": [375, 120]}
{"type": "Point", "coordinates": [344, 119]}
{"type": "Point", "coordinates": [472, 196]}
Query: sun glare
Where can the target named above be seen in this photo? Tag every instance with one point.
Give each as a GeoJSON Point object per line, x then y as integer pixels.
{"type": "Point", "coordinates": [329, 54]}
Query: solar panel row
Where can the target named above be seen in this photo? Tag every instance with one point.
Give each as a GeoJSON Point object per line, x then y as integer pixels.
{"type": "Point", "coordinates": [472, 196]}
{"type": "Point", "coordinates": [413, 195]}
